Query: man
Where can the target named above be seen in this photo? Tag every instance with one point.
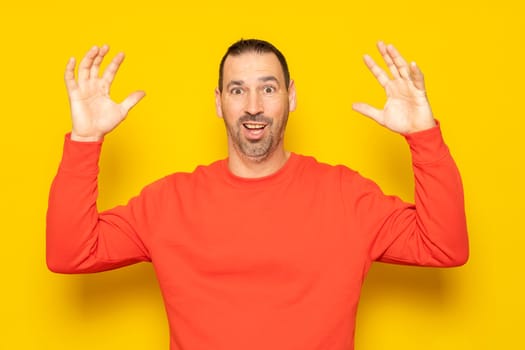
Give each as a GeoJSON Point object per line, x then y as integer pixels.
{"type": "Point", "coordinates": [266, 249]}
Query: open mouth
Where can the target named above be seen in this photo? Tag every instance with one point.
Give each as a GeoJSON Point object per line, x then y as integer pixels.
{"type": "Point", "coordinates": [254, 126]}
{"type": "Point", "coordinates": [254, 131]}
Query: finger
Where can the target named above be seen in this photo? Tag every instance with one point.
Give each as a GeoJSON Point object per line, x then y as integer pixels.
{"type": "Point", "coordinates": [369, 111]}
{"type": "Point", "coordinates": [380, 75]}
{"type": "Point", "coordinates": [388, 60]}
{"type": "Point", "coordinates": [98, 60]}
{"type": "Point", "coordinates": [112, 68]}
{"type": "Point", "coordinates": [131, 101]}
{"type": "Point", "coordinates": [69, 75]}
{"type": "Point", "coordinates": [399, 62]}
{"type": "Point", "coordinates": [84, 68]}
{"type": "Point", "coordinates": [417, 76]}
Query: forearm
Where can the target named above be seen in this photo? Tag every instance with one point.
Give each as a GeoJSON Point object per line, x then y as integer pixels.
{"type": "Point", "coordinates": [435, 230]}
{"type": "Point", "coordinates": [78, 238]}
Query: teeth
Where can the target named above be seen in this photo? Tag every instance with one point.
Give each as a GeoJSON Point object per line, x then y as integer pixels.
{"type": "Point", "coordinates": [253, 126]}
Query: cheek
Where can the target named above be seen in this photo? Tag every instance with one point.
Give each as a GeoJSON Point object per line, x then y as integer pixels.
{"type": "Point", "coordinates": [276, 107]}
{"type": "Point", "coordinates": [232, 106]}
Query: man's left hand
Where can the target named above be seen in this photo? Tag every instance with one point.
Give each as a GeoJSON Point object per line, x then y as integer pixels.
{"type": "Point", "coordinates": [407, 109]}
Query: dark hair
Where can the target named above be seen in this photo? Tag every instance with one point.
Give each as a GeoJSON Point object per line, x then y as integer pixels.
{"type": "Point", "coordinates": [257, 46]}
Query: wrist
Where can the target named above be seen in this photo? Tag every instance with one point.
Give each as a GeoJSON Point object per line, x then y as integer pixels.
{"type": "Point", "coordinates": [422, 126]}
{"type": "Point", "coordinates": [85, 138]}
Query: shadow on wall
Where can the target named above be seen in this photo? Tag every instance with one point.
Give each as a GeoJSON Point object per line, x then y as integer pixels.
{"type": "Point", "coordinates": [108, 292]}
{"type": "Point", "coordinates": [426, 280]}
{"type": "Point", "coordinates": [412, 286]}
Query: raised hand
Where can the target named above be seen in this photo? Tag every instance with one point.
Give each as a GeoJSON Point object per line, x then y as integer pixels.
{"type": "Point", "coordinates": [407, 109]}
{"type": "Point", "coordinates": [93, 112]}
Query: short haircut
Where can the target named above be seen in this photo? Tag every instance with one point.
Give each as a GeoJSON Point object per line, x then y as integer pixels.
{"type": "Point", "coordinates": [257, 46]}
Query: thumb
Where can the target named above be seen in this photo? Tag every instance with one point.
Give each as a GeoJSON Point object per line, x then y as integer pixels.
{"type": "Point", "coordinates": [131, 101]}
{"type": "Point", "coordinates": [369, 111]}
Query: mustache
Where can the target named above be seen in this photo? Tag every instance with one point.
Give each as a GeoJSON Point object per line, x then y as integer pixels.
{"type": "Point", "coordinates": [259, 118]}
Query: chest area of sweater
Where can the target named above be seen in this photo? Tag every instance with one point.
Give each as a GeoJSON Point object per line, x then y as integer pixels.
{"type": "Point", "coordinates": [258, 218]}
{"type": "Point", "coordinates": [265, 236]}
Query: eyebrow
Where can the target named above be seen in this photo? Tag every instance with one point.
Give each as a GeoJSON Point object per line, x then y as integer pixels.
{"type": "Point", "coordinates": [235, 82]}
{"type": "Point", "coordinates": [269, 78]}
{"type": "Point", "coordinates": [261, 79]}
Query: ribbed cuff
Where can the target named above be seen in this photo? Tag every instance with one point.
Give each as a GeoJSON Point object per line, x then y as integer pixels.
{"type": "Point", "coordinates": [80, 158]}
{"type": "Point", "coordinates": [427, 146]}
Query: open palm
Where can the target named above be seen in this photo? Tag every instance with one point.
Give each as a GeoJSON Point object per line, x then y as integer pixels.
{"type": "Point", "coordinates": [407, 108]}
{"type": "Point", "coordinates": [93, 112]}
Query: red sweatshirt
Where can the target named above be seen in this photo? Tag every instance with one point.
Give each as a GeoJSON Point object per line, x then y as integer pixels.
{"type": "Point", "coordinates": [270, 263]}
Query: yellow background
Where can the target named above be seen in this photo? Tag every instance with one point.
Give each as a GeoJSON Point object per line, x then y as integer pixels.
{"type": "Point", "coordinates": [470, 51]}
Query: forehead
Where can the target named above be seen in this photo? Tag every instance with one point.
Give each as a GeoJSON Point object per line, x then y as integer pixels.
{"type": "Point", "coordinates": [251, 65]}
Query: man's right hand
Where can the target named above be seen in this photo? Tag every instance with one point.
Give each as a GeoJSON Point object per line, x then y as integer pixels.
{"type": "Point", "coordinates": [93, 112]}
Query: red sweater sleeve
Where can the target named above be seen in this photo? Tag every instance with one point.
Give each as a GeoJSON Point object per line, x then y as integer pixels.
{"type": "Point", "coordinates": [78, 237]}
{"type": "Point", "coordinates": [431, 232]}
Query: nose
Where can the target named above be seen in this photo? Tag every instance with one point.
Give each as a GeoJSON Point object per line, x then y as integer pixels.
{"type": "Point", "coordinates": [254, 104]}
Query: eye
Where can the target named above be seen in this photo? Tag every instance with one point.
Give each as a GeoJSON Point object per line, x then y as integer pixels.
{"type": "Point", "coordinates": [269, 89]}
{"type": "Point", "coordinates": [236, 91]}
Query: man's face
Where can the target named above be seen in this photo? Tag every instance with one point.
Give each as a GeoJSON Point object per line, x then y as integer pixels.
{"type": "Point", "coordinates": [254, 103]}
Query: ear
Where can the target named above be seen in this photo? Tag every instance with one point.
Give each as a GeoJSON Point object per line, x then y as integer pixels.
{"type": "Point", "coordinates": [292, 99]}
{"type": "Point", "coordinates": [218, 105]}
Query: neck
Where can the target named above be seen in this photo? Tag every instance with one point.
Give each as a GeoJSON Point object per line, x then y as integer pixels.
{"type": "Point", "coordinates": [248, 167]}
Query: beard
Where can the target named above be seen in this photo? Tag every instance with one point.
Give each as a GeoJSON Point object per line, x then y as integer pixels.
{"type": "Point", "coordinates": [260, 149]}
